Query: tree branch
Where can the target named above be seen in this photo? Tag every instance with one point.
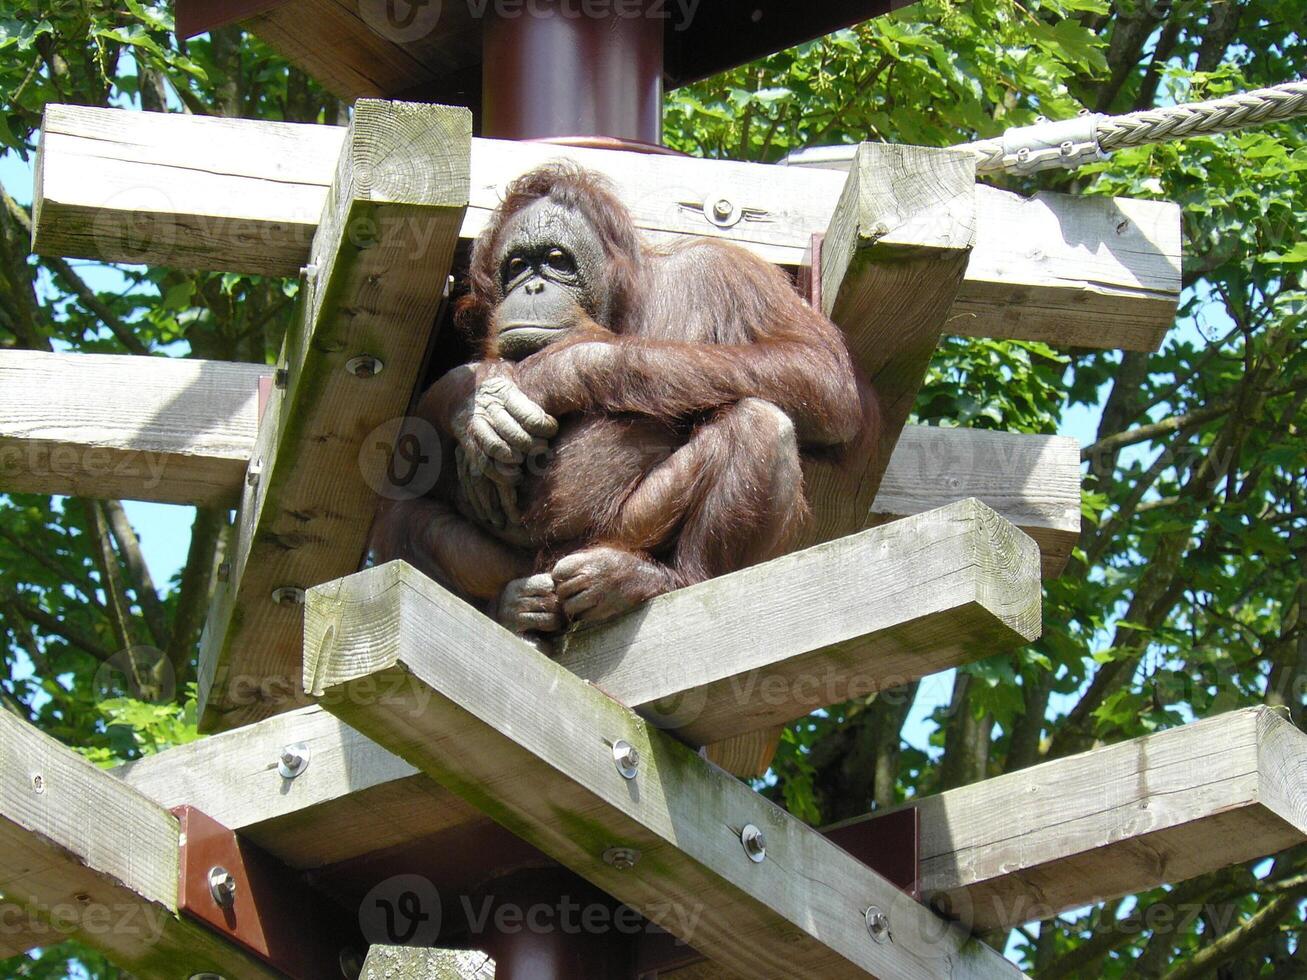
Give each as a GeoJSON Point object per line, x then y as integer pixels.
{"type": "Point", "coordinates": [129, 546]}
{"type": "Point", "coordinates": [1225, 948]}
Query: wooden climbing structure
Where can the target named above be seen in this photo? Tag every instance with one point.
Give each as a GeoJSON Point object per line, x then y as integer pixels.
{"type": "Point", "coordinates": [367, 725]}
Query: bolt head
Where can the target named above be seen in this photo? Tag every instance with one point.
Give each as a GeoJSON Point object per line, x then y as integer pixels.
{"type": "Point", "coordinates": [626, 758]}
{"type": "Point", "coordinates": [222, 886]}
{"type": "Point", "coordinates": [293, 760]}
{"type": "Point", "coordinates": [281, 377]}
{"type": "Point", "coordinates": [364, 366]}
{"type": "Point", "coordinates": [755, 843]}
{"type": "Point", "coordinates": [878, 925]}
{"type": "Point", "coordinates": [622, 858]}
{"type": "Point", "coordinates": [288, 595]}
{"type": "Point", "coordinates": [38, 783]}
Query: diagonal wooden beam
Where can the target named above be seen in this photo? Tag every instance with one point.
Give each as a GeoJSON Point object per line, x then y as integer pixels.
{"type": "Point", "coordinates": [530, 744]}
{"type": "Point", "coordinates": [84, 856]}
{"type": "Point", "coordinates": [892, 260]}
{"type": "Point", "coordinates": [1116, 820]}
{"type": "Point", "coordinates": [380, 260]}
{"type": "Point", "coordinates": [246, 195]}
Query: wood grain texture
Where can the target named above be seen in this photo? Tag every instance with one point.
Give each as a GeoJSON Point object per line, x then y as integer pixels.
{"type": "Point", "coordinates": [1119, 819]}
{"type": "Point", "coordinates": [84, 856]}
{"type": "Point", "coordinates": [142, 428]}
{"type": "Point", "coordinates": [892, 260]}
{"type": "Point", "coordinates": [865, 613]}
{"type": "Point", "coordinates": [406, 963]}
{"type": "Point", "coordinates": [529, 744]}
{"type": "Point", "coordinates": [244, 196]}
{"type": "Point", "coordinates": [354, 797]}
{"type": "Point", "coordinates": [183, 431]}
{"type": "Point", "coordinates": [381, 256]}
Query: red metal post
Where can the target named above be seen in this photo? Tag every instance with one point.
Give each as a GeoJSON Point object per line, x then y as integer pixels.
{"type": "Point", "coordinates": [563, 68]}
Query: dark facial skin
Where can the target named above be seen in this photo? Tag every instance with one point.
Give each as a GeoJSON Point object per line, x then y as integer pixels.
{"type": "Point", "coordinates": [550, 271]}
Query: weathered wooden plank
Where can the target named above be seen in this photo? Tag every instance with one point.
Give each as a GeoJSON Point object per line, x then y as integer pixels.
{"type": "Point", "coordinates": [143, 428]}
{"type": "Point", "coordinates": [380, 261]}
{"type": "Point", "coordinates": [1119, 819]}
{"type": "Point", "coordinates": [355, 797]}
{"type": "Point", "coordinates": [530, 744]}
{"type": "Point", "coordinates": [84, 856]}
{"type": "Point", "coordinates": [1032, 481]}
{"type": "Point", "coordinates": [1091, 827]}
{"type": "Point", "coordinates": [244, 195]}
{"type": "Point", "coordinates": [407, 963]}
{"type": "Point", "coordinates": [891, 262]}
{"type": "Point", "coordinates": [183, 432]}
{"type": "Point", "coordinates": [860, 614]}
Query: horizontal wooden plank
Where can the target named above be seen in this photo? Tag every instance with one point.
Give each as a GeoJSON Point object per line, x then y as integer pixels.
{"type": "Point", "coordinates": [1116, 820]}
{"type": "Point", "coordinates": [1091, 827]}
{"type": "Point", "coordinates": [1032, 481]}
{"type": "Point", "coordinates": [141, 428]}
{"type": "Point", "coordinates": [530, 744]}
{"type": "Point", "coordinates": [843, 619]}
{"type": "Point", "coordinates": [355, 797]}
{"type": "Point", "coordinates": [244, 195]}
{"type": "Point", "coordinates": [87, 857]}
{"type": "Point", "coordinates": [183, 432]}
{"type": "Point", "coordinates": [380, 262]}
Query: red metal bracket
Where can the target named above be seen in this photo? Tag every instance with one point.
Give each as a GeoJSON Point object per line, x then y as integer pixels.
{"type": "Point", "coordinates": [271, 912]}
{"type": "Point", "coordinates": [809, 278]}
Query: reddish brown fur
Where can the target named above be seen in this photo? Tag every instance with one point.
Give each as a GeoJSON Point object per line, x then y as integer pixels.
{"type": "Point", "coordinates": [675, 441]}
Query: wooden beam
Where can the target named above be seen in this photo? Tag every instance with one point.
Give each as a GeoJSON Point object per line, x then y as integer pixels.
{"type": "Point", "coordinates": [355, 797]}
{"type": "Point", "coordinates": [182, 432]}
{"type": "Point", "coordinates": [530, 744]}
{"type": "Point", "coordinates": [891, 263]}
{"type": "Point", "coordinates": [1116, 820]}
{"type": "Point", "coordinates": [1032, 481]}
{"type": "Point", "coordinates": [407, 963]}
{"type": "Point", "coordinates": [142, 428]}
{"type": "Point", "coordinates": [379, 264]}
{"type": "Point", "coordinates": [844, 619]}
{"type": "Point", "coordinates": [84, 856]}
{"type": "Point", "coordinates": [244, 196]}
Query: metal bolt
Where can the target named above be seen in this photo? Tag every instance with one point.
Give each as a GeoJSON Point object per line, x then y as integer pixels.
{"type": "Point", "coordinates": [281, 377]}
{"type": "Point", "coordinates": [38, 783]}
{"type": "Point", "coordinates": [364, 366]}
{"type": "Point", "coordinates": [722, 209]}
{"type": "Point", "coordinates": [254, 471]}
{"type": "Point", "coordinates": [351, 963]}
{"type": "Point", "coordinates": [878, 925]}
{"type": "Point", "coordinates": [309, 272]}
{"type": "Point", "coordinates": [288, 595]}
{"type": "Point", "coordinates": [222, 886]}
{"type": "Point", "coordinates": [1023, 154]}
{"type": "Point", "coordinates": [1067, 148]}
{"type": "Point", "coordinates": [755, 844]}
{"type": "Point", "coordinates": [622, 858]}
{"type": "Point", "coordinates": [224, 571]}
{"type": "Point", "coordinates": [207, 976]}
{"type": "Point", "coordinates": [626, 757]}
{"type": "Point", "coordinates": [294, 759]}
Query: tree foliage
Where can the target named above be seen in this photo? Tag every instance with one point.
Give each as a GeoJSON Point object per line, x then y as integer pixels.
{"type": "Point", "coordinates": [1185, 593]}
